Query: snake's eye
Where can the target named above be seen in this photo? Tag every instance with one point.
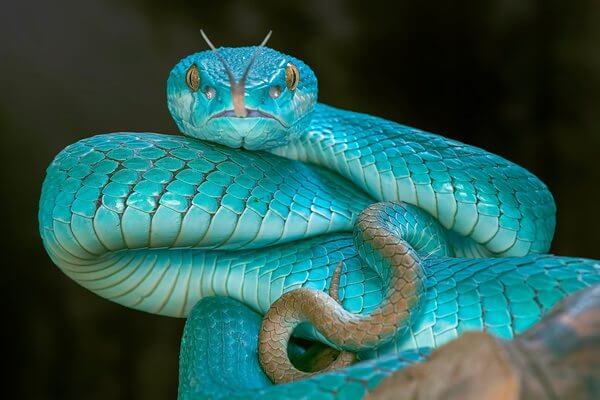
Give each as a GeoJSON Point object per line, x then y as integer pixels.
{"type": "Point", "coordinates": [292, 76]}
{"type": "Point", "coordinates": [192, 78]}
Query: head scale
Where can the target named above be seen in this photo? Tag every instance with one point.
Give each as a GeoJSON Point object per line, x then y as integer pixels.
{"type": "Point", "coordinates": [269, 104]}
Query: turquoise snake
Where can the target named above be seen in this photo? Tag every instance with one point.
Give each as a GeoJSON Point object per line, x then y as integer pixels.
{"type": "Point", "coordinates": [269, 191]}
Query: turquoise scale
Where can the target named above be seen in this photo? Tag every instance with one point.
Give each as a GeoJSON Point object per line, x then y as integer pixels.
{"type": "Point", "coordinates": [100, 213]}
{"type": "Point", "coordinates": [182, 227]}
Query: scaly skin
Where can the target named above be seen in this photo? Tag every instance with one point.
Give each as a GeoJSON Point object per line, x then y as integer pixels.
{"type": "Point", "coordinates": [376, 235]}
{"type": "Point", "coordinates": [159, 222]}
{"type": "Point", "coordinates": [219, 347]}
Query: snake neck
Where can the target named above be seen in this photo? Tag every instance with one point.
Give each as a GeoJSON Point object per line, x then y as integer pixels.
{"type": "Point", "coordinates": [490, 206]}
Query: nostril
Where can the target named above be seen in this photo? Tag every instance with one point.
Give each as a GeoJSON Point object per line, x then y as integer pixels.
{"type": "Point", "coordinates": [210, 92]}
{"type": "Point", "coordinates": [275, 91]}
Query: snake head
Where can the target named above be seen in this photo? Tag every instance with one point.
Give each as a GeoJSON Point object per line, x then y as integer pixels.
{"type": "Point", "coordinates": [272, 106]}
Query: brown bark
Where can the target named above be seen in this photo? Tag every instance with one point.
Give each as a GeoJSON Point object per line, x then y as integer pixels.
{"type": "Point", "coordinates": [557, 359]}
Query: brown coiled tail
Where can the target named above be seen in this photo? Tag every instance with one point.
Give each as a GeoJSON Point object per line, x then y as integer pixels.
{"type": "Point", "coordinates": [381, 248]}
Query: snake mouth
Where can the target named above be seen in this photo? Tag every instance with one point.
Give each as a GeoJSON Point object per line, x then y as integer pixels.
{"type": "Point", "coordinates": [250, 113]}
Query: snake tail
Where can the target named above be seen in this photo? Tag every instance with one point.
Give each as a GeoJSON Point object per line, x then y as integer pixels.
{"type": "Point", "coordinates": [398, 264]}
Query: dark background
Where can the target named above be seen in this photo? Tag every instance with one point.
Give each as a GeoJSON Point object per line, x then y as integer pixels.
{"type": "Point", "coordinates": [518, 77]}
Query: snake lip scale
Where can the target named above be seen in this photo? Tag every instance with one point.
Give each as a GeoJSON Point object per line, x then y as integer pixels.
{"type": "Point", "coordinates": [250, 113]}
{"type": "Point", "coordinates": [376, 240]}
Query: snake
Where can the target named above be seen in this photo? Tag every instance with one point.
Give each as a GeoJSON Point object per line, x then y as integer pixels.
{"type": "Point", "coordinates": [313, 250]}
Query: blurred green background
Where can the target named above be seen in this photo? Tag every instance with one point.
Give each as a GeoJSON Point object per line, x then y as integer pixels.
{"type": "Point", "coordinates": [518, 77]}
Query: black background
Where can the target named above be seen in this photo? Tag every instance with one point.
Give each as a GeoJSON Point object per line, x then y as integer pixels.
{"type": "Point", "coordinates": [517, 77]}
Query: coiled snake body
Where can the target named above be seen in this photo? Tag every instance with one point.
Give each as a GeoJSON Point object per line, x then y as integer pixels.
{"type": "Point", "coordinates": [270, 192]}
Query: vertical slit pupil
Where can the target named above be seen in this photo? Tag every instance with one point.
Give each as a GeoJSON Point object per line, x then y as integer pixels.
{"type": "Point", "coordinates": [292, 76]}
{"type": "Point", "coordinates": [192, 79]}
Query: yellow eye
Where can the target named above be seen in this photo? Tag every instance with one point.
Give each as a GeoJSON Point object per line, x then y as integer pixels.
{"type": "Point", "coordinates": [292, 76]}
{"type": "Point", "coordinates": [192, 78]}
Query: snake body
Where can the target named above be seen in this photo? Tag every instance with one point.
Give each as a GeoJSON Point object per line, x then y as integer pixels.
{"type": "Point", "coordinates": [270, 195]}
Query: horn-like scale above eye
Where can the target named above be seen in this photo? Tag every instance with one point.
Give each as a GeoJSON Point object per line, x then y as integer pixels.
{"type": "Point", "coordinates": [292, 76]}
{"type": "Point", "coordinates": [192, 78]}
